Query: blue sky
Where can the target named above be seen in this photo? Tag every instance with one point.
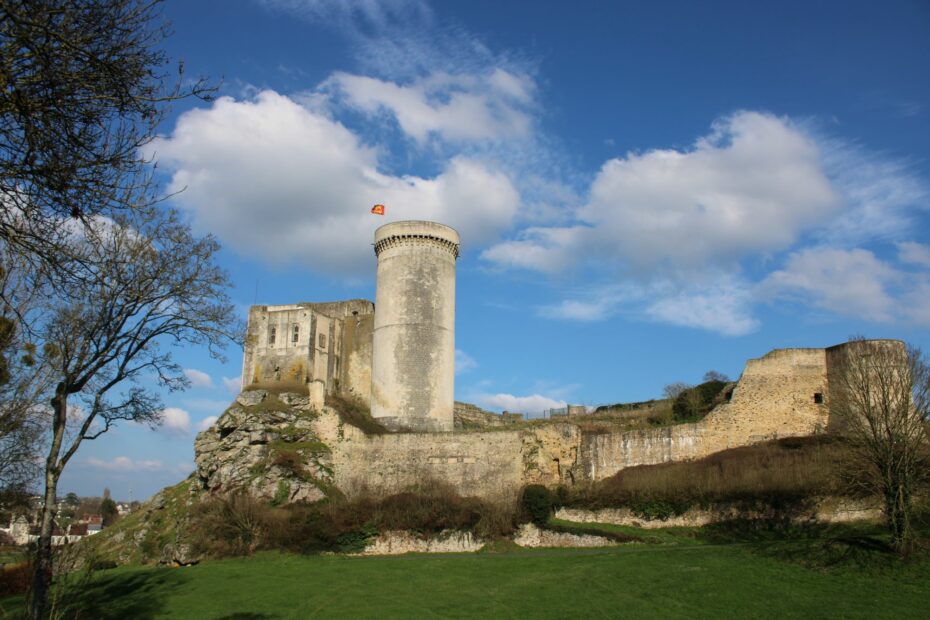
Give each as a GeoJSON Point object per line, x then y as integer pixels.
{"type": "Point", "coordinates": [645, 191]}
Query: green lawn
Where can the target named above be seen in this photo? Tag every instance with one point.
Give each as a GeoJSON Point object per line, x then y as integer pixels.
{"type": "Point", "coordinates": [680, 574]}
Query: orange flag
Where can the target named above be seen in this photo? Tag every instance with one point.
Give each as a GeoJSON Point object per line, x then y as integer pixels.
{"type": "Point", "coordinates": [378, 209]}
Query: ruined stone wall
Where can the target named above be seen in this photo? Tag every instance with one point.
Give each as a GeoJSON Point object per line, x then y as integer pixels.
{"type": "Point", "coordinates": [775, 397]}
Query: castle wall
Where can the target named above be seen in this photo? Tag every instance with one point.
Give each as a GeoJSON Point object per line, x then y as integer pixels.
{"type": "Point", "coordinates": [774, 398]}
{"type": "Point", "coordinates": [355, 378]}
{"type": "Point", "coordinates": [292, 345]}
{"type": "Point", "coordinates": [481, 464]}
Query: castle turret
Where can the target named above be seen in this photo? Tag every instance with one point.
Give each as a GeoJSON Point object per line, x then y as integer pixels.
{"type": "Point", "coordinates": [413, 352]}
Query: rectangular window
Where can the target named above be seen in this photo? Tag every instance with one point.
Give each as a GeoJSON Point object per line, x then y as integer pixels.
{"type": "Point", "coordinates": [271, 334]}
{"type": "Point", "coordinates": [295, 334]}
{"type": "Point", "coordinates": [818, 398]}
{"type": "Point", "coordinates": [322, 341]}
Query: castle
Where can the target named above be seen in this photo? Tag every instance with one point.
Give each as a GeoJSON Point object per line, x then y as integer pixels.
{"type": "Point", "coordinates": [397, 355]}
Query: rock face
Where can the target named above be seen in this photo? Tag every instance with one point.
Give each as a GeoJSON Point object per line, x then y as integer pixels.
{"type": "Point", "coordinates": [399, 543]}
{"type": "Point", "coordinates": [531, 536]}
{"type": "Point", "coordinates": [265, 444]}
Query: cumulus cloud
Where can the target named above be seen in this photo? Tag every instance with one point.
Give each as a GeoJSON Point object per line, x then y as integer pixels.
{"type": "Point", "coordinates": [534, 403]}
{"type": "Point", "coordinates": [232, 384]}
{"type": "Point", "coordinates": [198, 378]}
{"type": "Point", "coordinates": [176, 421]}
{"type": "Point", "coordinates": [207, 422]}
{"type": "Point", "coordinates": [464, 362]}
{"type": "Point", "coordinates": [492, 106]}
{"type": "Point", "coordinates": [752, 185]}
{"type": "Point", "coordinates": [854, 283]}
{"type": "Point", "coordinates": [275, 179]}
{"type": "Point", "coordinates": [677, 227]}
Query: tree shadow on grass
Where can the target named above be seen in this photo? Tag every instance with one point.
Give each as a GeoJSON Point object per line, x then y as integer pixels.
{"type": "Point", "coordinates": [814, 545]}
{"type": "Point", "coordinates": [139, 595]}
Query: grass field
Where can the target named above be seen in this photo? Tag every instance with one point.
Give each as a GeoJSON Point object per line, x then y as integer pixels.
{"type": "Point", "coordinates": [680, 574]}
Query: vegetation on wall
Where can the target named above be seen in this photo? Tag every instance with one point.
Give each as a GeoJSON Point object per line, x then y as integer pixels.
{"type": "Point", "coordinates": [353, 411]}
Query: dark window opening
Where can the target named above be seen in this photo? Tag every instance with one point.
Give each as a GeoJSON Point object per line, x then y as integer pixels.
{"type": "Point", "coordinates": [818, 398]}
{"type": "Point", "coordinates": [295, 335]}
{"type": "Point", "coordinates": [322, 341]}
{"type": "Point", "coordinates": [271, 335]}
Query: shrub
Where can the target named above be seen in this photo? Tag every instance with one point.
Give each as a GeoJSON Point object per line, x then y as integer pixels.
{"type": "Point", "coordinates": [538, 503]}
{"type": "Point", "coordinates": [235, 525]}
{"type": "Point", "coordinates": [694, 403]}
{"type": "Point", "coordinates": [239, 524]}
{"type": "Point", "coordinates": [15, 579]}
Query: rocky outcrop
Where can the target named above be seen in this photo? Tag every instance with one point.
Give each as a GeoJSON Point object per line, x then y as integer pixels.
{"type": "Point", "coordinates": [266, 444]}
{"type": "Point", "coordinates": [531, 536]}
{"type": "Point", "coordinates": [398, 543]}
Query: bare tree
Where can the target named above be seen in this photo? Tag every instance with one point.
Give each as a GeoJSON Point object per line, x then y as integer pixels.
{"type": "Point", "coordinates": [714, 375]}
{"type": "Point", "coordinates": [148, 284]}
{"type": "Point", "coordinates": [24, 384]}
{"type": "Point", "coordinates": [879, 400]}
{"type": "Point", "coordinates": [83, 88]}
{"type": "Point", "coordinates": [674, 390]}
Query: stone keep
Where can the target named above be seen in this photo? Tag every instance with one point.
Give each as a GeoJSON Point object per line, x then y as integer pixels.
{"type": "Point", "coordinates": [413, 350]}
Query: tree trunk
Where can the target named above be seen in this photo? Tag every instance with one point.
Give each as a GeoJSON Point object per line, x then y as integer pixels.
{"type": "Point", "coordinates": [42, 577]}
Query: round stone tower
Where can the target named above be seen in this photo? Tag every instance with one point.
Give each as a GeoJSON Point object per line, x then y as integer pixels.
{"type": "Point", "coordinates": [413, 351]}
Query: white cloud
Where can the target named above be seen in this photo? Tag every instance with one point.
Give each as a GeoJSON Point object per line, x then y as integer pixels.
{"type": "Point", "coordinates": [880, 195]}
{"type": "Point", "coordinates": [198, 378]}
{"type": "Point", "coordinates": [124, 463]}
{"type": "Point", "coordinates": [717, 302]}
{"type": "Point", "coordinates": [464, 362]}
{"type": "Point", "coordinates": [847, 282]}
{"type": "Point", "coordinates": [493, 106]}
{"type": "Point", "coordinates": [274, 179]}
{"type": "Point", "coordinates": [207, 422]}
{"type": "Point", "coordinates": [754, 184]}
{"type": "Point", "coordinates": [355, 15]}
{"type": "Point", "coordinates": [175, 420]}
{"type": "Point", "coordinates": [724, 308]}
{"type": "Point", "coordinates": [233, 384]}
{"type": "Point", "coordinates": [534, 403]}
{"type": "Point", "coordinates": [914, 253]}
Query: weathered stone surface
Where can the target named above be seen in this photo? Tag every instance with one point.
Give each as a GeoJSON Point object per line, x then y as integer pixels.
{"type": "Point", "coordinates": [531, 536]}
{"type": "Point", "coordinates": [398, 543]}
{"type": "Point", "coordinates": [251, 397]}
{"type": "Point", "coordinates": [413, 346]}
{"type": "Point", "coordinates": [826, 510]}
{"type": "Point", "coordinates": [271, 451]}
